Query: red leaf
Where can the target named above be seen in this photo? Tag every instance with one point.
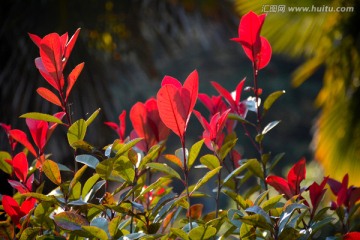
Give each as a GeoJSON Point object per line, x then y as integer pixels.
{"type": "Point", "coordinates": [195, 211]}
{"type": "Point", "coordinates": [354, 197]}
{"type": "Point", "coordinates": [21, 137]}
{"type": "Point", "coordinates": [238, 90]}
{"type": "Point", "coordinates": [29, 182]}
{"type": "Point", "coordinates": [176, 104]}
{"type": "Point", "coordinates": [316, 193]}
{"type": "Point", "coordinates": [214, 104]}
{"type": "Point", "coordinates": [73, 76]}
{"type": "Point", "coordinates": [112, 125]}
{"type": "Point", "coordinates": [49, 96]}
{"type": "Point", "coordinates": [335, 186]}
{"type": "Point", "coordinates": [36, 39]}
{"type": "Point", "coordinates": [172, 81]}
{"type": "Point", "coordinates": [27, 205]}
{"type": "Point", "coordinates": [11, 207]}
{"type": "Point", "coordinates": [48, 77]}
{"type": "Point", "coordinates": [122, 125]}
{"type": "Point", "coordinates": [51, 53]}
{"type": "Point", "coordinates": [296, 175]}
{"type": "Point", "coordinates": [38, 130]}
{"type": "Point", "coordinates": [280, 185]}
{"type": "Point", "coordinates": [18, 186]}
{"type": "Point", "coordinates": [342, 196]}
{"type": "Point", "coordinates": [70, 45]}
{"type": "Point", "coordinates": [162, 132]}
{"type": "Point", "coordinates": [352, 236]}
{"type": "Point", "coordinates": [140, 121]}
{"type": "Point", "coordinates": [20, 165]}
{"type": "Point", "coordinates": [223, 92]}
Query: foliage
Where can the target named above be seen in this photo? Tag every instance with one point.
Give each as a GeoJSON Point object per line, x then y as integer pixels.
{"type": "Point", "coordinates": [129, 195]}
{"type": "Point", "coordinates": [328, 41]}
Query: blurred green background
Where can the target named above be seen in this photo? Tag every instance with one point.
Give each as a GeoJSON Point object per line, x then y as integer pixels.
{"type": "Point", "coordinates": [128, 46]}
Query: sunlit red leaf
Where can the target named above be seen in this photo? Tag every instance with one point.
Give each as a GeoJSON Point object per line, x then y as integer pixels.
{"type": "Point", "coordinates": [296, 174]}
{"type": "Point", "coordinates": [48, 77]}
{"type": "Point", "coordinates": [21, 137]}
{"type": "Point", "coordinates": [168, 219]}
{"type": "Point", "coordinates": [73, 76]}
{"type": "Point", "coordinates": [51, 53]}
{"type": "Point", "coordinates": [38, 130]}
{"type": "Point", "coordinates": [176, 104]}
{"type": "Point", "coordinates": [49, 96]}
{"type": "Point", "coordinates": [223, 92]}
{"type": "Point", "coordinates": [280, 185]}
{"type": "Point", "coordinates": [27, 205]}
{"type": "Point", "coordinates": [11, 207]}
{"type": "Point", "coordinates": [20, 165]}
{"type": "Point", "coordinates": [70, 45]}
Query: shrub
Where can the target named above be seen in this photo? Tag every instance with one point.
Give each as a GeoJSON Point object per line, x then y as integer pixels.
{"type": "Point", "coordinates": [143, 204]}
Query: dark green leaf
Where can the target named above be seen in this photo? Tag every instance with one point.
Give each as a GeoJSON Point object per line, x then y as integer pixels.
{"type": "Point", "coordinates": [227, 147]}
{"type": "Point", "coordinates": [70, 221]}
{"type": "Point", "coordinates": [76, 132]}
{"type": "Point", "coordinates": [41, 116]}
{"type": "Point", "coordinates": [234, 217]}
{"type": "Point", "coordinates": [275, 160]}
{"type": "Point", "coordinates": [238, 170]}
{"type": "Point", "coordinates": [270, 100]}
{"type": "Point", "coordinates": [40, 196]}
{"type": "Point", "coordinates": [88, 160]}
{"type": "Point", "coordinates": [258, 210]}
{"type": "Point", "coordinates": [287, 213]}
{"type": "Point", "coordinates": [271, 203]}
{"type": "Point", "coordinates": [289, 234]}
{"type": "Point", "coordinates": [210, 161]}
{"type": "Point", "coordinates": [240, 119]}
{"type": "Point", "coordinates": [52, 171]}
{"type": "Point", "coordinates": [194, 152]}
{"type": "Point", "coordinates": [162, 167]}
{"type": "Point", "coordinates": [260, 198]}
{"type": "Point", "coordinates": [257, 220]}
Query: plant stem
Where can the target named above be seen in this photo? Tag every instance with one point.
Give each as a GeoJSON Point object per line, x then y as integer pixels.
{"type": "Point", "coordinates": [218, 192]}
{"type": "Point", "coordinates": [186, 178]}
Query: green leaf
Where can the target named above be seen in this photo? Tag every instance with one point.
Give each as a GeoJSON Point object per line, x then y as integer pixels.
{"type": "Point", "coordinates": [206, 178]}
{"type": "Point", "coordinates": [200, 232]}
{"type": "Point", "coordinates": [70, 221]}
{"type": "Point", "coordinates": [180, 233]}
{"type": "Point", "coordinates": [236, 197]}
{"type": "Point", "coordinates": [160, 182]}
{"type": "Point", "coordinates": [270, 126]}
{"type": "Point", "coordinates": [194, 152]}
{"type": "Point", "coordinates": [124, 167]}
{"type": "Point", "coordinates": [95, 232]}
{"type": "Point", "coordinates": [4, 166]}
{"type": "Point", "coordinates": [257, 220]}
{"type": "Point", "coordinates": [210, 161]}
{"type": "Point", "coordinates": [238, 170]}
{"type": "Point", "coordinates": [247, 232]}
{"type": "Point", "coordinates": [234, 217]}
{"type": "Point", "coordinates": [289, 234]}
{"type": "Point", "coordinates": [287, 213]}
{"type": "Point", "coordinates": [275, 161]}
{"type": "Point", "coordinates": [236, 117]}
{"type": "Point", "coordinates": [271, 203]}
{"type": "Point", "coordinates": [260, 198]}
{"type": "Point", "coordinates": [226, 148]}
{"type": "Point", "coordinates": [81, 144]}
{"type": "Point", "coordinates": [88, 160]}
{"type": "Point", "coordinates": [41, 116]}
{"type": "Point", "coordinates": [114, 230]}
{"type": "Point", "coordinates": [106, 171]}
{"type": "Point", "coordinates": [162, 167]}
{"type": "Point", "coordinates": [88, 185]}
{"type": "Point", "coordinates": [76, 132]}
{"type": "Point", "coordinates": [258, 210]}
{"type": "Point", "coordinates": [125, 147]}
{"type": "Point", "coordinates": [150, 156]}
{"type": "Point", "coordinates": [75, 192]}
{"type": "Point", "coordinates": [52, 171]}
{"type": "Point", "coordinates": [92, 117]}
{"type": "Point", "coordinates": [30, 233]}
{"type": "Point", "coordinates": [42, 213]}
{"type": "Point", "coordinates": [77, 177]}
{"type": "Point", "coordinates": [271, 99]}
{"type": "Point", "coordinates": [40, 197]}
{"type": "Point", "coordinates": [255, 168]}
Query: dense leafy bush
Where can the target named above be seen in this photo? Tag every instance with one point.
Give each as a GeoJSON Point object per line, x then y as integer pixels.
{"type": "Point", "coordinates": [143, 205]}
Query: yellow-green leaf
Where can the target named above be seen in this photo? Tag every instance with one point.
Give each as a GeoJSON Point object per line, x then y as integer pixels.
{"type": "Point", "coordinates": [76, 132]}
{"type": "Point", "coordinates": [92, 117]}
{"type": "Point", "coordinates": [206, 178]}
{"type": "Point", "coordinates": [194, 152]}
{"type": "Point", "coordinates": [96, 232]}
{"type": "Point", "coordinates": [162, 167]}
{"type": "Point", "coordinates": [210, 161]}
{"type": "Point", "coordinates": [270, 100]}
{"type": "Point", "coordinates": [4, 166]}
{"type": "Point", "coordinates": [52, 171]}
{"type": "Point", "coordinates": [42, 116]}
